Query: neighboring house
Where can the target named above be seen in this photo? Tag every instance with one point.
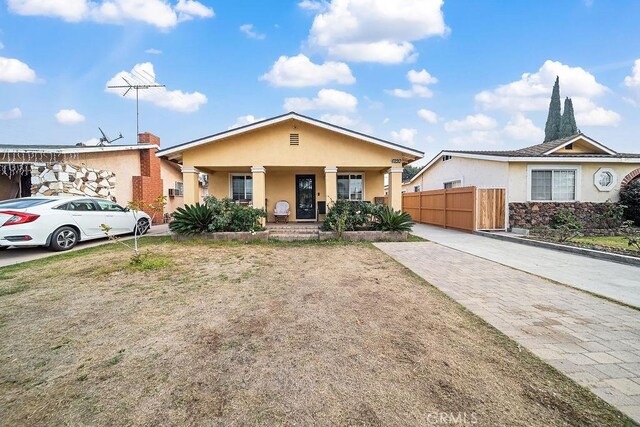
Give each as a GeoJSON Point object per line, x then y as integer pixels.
{"type": "Point", "coordinates": [576, 172]}
{"type": "Point", "coordinates": [304, 161]}
{"type": "Point", "coordinates": [118, 172]}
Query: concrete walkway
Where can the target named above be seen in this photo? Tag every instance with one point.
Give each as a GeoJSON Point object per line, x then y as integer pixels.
{"type": "Point", "coordinates": [613, 280]}
{"type": "Point", "coordinates": [593, 341]}
{"type": "Point", "coordinates": [19, 255]}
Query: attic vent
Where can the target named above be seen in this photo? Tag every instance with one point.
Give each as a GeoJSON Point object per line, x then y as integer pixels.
{"type": "Point", "coordinates": [294, 139]}
{"type": "Point", "coordinates": [568, 146]}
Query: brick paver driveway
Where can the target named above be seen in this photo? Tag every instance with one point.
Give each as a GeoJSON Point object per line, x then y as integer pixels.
{"type": "Point", "coordinates": [593, 341]}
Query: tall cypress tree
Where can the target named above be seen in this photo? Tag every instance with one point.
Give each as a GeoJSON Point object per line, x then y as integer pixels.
{"type": "Point", "coordinates": [552, 128]}
{"type": "Point", "coordinates": [568, 125]}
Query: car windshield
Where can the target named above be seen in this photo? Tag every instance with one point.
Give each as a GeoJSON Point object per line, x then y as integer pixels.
{"type": "Point", "coordinates": [25, 203]}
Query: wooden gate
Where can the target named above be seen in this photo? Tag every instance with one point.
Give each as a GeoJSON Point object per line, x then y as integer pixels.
{"type": "Point", "coordinates": [464, 208]}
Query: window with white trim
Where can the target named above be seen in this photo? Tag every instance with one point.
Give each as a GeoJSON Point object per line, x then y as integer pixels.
{"type": "Point", "coordinates": [351, 186]}
{"type": "Point", "coordinates": [553, 184]}
{"type": "Point", "coordinates": [452, 184]}
{"type": "Point", "coordinates": [241, 187]}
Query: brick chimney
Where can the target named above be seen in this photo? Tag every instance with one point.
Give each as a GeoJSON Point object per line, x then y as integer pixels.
{"type": "Point", "coordinates": [148, 186]}
{"type": "Point", "coordinates": [148, 138]}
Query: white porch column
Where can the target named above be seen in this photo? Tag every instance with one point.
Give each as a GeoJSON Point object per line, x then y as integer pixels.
{"type": "Point", "coordinates": [395, 189]}
{"type": "Point", "coordinates": [331, 185]}
{"type": "Point", "coordinates": [259, 187]}
{"type": "Point", "coordinates": [191, 185]}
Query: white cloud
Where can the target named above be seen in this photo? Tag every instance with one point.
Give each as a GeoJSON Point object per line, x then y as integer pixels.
{"type": "Point", "coordinates": [158, 13]}
{"type": "Point", "coordinates": [14, 71]}
{"type": "Point", "coordinates": [175, 100]}
{"type": "Point", "coordinates": [477, 138]}
{"type": "Point", "coordinates": [419, 81]}
{"type": "Point", "coordinates": [338, 120]}
{"type": "Point", "coordinates": [327, 99]}
{"type": "Point", "coordinates": [633, 80]}
{"type": "Point", "coordinates": [478, 122]}
{"type": "Point", "coordinates": [533, 91]}
{"type": "Point", "coordinates": [598, 116]}
{"type": "Point", "coordinates": [14, 113]}
{"type": "Point", "coordinates": [250, 32]}
{"type": "Point", "coordinates": [153, 51]}
{"type": "Point", "coordinates": [245, 120]}
{"type": "Point", "coordinates": [405, 136]}
{"type": "Point", "coordinates": [375, 30]}
{"type": "Point", "coordinates": [1, 45]}
{"type": "Point", "coordinates": [69, 117]}
{"type": "Point", "coordinates": [299, 71]}
{"type": "Point", "coordinates": [312, 5]}
{"type": "Point", "coordinates": [522, 129]}
{"type": "Point", "coordinates": [428, 116]}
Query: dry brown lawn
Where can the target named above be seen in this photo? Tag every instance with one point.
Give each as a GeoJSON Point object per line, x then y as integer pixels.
{"type": "Point", "coordinates": [261, 334]}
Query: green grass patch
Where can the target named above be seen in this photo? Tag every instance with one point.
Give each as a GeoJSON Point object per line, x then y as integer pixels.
{"type": "Point", "coordinates": [12, 289]}
{"type": "Point", "coordinates": [116, 359]}
{"type": "Point", "coordinates": [149, 262]}
{"type": "Point", "coordinates": [618, 242]}
{"type": "Point", "coordinates": [414, 238]}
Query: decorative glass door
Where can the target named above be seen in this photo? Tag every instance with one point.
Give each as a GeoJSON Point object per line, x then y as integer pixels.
{"type": "Point", "coordinates": [305, 197]}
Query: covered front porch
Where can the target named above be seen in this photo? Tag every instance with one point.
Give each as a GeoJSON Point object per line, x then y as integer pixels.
{"type": "Point", "coordinates": [310, 191]}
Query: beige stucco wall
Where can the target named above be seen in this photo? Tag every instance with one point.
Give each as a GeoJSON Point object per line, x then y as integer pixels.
{"type": "Point", "coordinates": [170, 174]}
{"type": "Point", "coordinates": [280, 185]}
{"type": "Point", "coordinates": [270, 146]}
{"type": "Point", "coordinates": [518, 180]}
{"type": "Point", "coordinates": [125, 165]}
{"type": "Point", "coordinates": [479, 173]}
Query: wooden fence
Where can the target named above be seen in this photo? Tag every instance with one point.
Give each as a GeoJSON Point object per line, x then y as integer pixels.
{"type": "Point", "coordinates": [464, 208]}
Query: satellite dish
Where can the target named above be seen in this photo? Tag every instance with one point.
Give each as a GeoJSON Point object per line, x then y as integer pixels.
{"type": "Point", "coordinates": [104, 139]}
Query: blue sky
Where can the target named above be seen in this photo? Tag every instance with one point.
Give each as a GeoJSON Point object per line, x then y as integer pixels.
{"type": "Point", "coordinates": [432, 75]}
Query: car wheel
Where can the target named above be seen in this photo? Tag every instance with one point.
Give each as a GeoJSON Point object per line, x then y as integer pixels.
{"type": "Point", "coordinates": [63, 239]}
{"type": "Point", "coordinates": [142, 226]}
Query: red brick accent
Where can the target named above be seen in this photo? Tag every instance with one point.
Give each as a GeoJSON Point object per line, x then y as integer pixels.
{"type": "Point", "coordinates": [148, 186]}
{"type": "Point", "coordinates": [630, 177]}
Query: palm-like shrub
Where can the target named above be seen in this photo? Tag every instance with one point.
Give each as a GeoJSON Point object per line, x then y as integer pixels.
{"type": "Point", "coordinates": [386, 219]}
{"type": "Point", "coordinates": [192, 219]}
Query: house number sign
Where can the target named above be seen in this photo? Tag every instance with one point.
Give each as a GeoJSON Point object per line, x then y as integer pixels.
{"type": "Point", "coordinates": [396, 160]}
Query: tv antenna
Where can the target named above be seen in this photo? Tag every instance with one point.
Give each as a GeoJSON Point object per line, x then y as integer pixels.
{"type": "Point", "coordinates": [104, 139]}
{"type": "Point", "coordinates": [137, 81]}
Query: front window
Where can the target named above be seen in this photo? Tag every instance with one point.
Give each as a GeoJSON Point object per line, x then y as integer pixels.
{"type": "Point", "coordinates": [550, 185]}
{"type": "Point", "coordinates": [350, 187]}
{"type": "Point", "coordinates": [452, 184]}
{"type": "Point", "coordinates": [241, 187]}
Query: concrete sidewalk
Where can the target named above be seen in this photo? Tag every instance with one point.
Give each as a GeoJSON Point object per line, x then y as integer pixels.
{"type": "Point", "coordinates": [593, 341]}
{"type": "Point", "coordinates": [19, 255]}
{"type": "Point", "coordinates": [613, 280]}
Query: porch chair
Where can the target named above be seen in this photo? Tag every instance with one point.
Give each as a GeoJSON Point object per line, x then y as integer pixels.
{"type": "Point", "coordinates": [281, 211]}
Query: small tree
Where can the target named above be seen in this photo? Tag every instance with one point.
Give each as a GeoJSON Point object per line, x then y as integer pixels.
{"type": "Point", "coordinates": [135, 206]}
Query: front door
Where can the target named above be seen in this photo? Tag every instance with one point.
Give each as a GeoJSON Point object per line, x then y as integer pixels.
{"type": "Point", "coordinates": [305, 197]}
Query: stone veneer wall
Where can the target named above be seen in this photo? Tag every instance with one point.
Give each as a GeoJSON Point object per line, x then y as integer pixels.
{"type": "Point", "coordinates": [57, 179]}
{"type": "Point", "coordinates": [536, 214]}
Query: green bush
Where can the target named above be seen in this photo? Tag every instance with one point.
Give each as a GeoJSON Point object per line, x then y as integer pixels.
{"type": "Point", "coordinates": [346, 215]}
{"type": "Point", "coordinates": [192, 219]}
{"type": "Point", "coordinates": [386, 219]}
{"type": "Point", "coordinates": [231, 216]}
{"type": "Point", "coordinates": [630, 199]}
{"type": "Point", "coordinates": [566, 226]}
{"type": "Point", "coordinates": [612, 215]}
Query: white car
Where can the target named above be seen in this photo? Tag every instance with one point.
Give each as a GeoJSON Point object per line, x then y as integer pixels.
{"type": "Point", "coordinates": [60, 222]}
